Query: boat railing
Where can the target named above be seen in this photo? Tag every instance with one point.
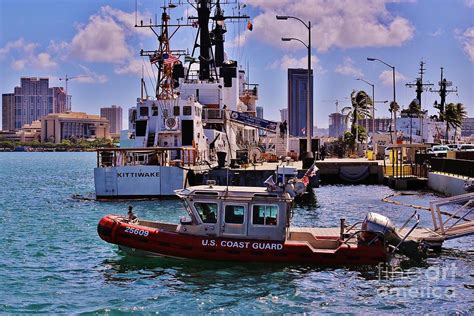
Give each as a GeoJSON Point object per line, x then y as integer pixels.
{"type": "Point", "coordinates": [415, 215]}
{"type": "Point", "coordinates": [159, 156]}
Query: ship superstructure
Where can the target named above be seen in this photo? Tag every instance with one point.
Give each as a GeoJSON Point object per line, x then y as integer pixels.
{"type": "Point", "coordinates": [203, 107]}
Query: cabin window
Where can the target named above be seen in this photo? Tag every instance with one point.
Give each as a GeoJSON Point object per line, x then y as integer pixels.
{"type": "Point", "coordinates": [265, 215]}
{"type": "Point", "coordinates": [207, 212]}
{"type": "Point", "coordinates": [234, 214]}
{"type": "Point", "coordinates": [187, 110]}
{"type": "Point", "coordinates": [143, 111]}
{"type": "Point", "coordinates": [176, 111]}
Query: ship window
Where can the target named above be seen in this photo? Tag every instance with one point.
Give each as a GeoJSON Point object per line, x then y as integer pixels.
{"type": "Point", "coordinates": [207, 212]}
{"type": "Point", "coordinates": [265, 215]}
{"type": "Point", "coordinates": [187, 110]}
{"type": "Point", "coordinates": [143, 111]}
{"type": "Point", "coordinates": [176, 111]}
{"type": "Point", "coordinates": [234, 214]}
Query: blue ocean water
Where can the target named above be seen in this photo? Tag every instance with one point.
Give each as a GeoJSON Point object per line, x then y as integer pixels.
{"type": "Point", "coordinates": [52, 260]}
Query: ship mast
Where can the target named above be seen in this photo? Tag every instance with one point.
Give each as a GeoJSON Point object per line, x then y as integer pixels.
{"type": "Point", "coordinates": [208, 63]}
{"type": "Point", "coordinates": [164, 58]}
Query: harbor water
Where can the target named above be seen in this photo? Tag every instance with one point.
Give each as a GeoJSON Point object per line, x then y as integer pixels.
{"type": "Point", "coordinates": [53, 261]}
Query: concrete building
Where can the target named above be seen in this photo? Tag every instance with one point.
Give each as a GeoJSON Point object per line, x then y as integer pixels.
{"type": "Point", "coordinates": [382, 125]}
{"type": "Point", "coordinates": [31, 101]}
{"type": "Point", "coordinates": [56, 127]}
{"type": "Point", "coordinates": [297, 96]}
{"type": "Point", "coordinates": [337, 125]}
{"type": "Point", "coordinates": [467, 128]}
{"type": "Point", "coordinates": [114, 115]}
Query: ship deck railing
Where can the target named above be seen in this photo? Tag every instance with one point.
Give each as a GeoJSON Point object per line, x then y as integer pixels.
{"type": "Point", "coordinates": [160, 156]}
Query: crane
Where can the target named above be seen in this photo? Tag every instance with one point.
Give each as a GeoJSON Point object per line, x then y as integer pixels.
{"type": "Point", "coordinates": [336, 119]}
{"type": "Point", "coordinates": [70, 78]}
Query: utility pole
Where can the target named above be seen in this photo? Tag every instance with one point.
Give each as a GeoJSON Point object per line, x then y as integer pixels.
{"type": "Point", "coordinates": [443, 92]}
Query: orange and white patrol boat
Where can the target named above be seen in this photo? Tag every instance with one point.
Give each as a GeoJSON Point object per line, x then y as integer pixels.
{"type": "Point", "coordinates": [250, 224]}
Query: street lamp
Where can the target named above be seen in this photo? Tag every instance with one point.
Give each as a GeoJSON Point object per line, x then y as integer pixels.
{"type": "Point", "coordinates": [309, 128]}
{"type": "Point", "coordinates": [394, 97]}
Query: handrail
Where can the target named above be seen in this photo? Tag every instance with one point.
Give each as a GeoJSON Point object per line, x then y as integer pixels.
{"type": "Point", "coordinates": [460, 218]}
{"type": "Point", "coordinates": [405, 224]}
{"type": "Point", "coordinates": [409, 232]}
{"type": "Point", "coordinates": [352, 226]}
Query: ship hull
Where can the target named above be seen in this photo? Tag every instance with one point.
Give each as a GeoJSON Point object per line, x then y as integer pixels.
{"type": "Point", "coordinates": [141, 181]}
{"type": "Point", "coordinates": [148, 241]}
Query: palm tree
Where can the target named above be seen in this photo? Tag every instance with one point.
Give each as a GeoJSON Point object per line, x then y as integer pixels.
{"type": "Point", "coordinates": [413, 110]}
{"type": "Point", "coordinates": [454, 115]}
{"type": "Point", "coordinates": [394, 107]}
{"type": "Point", "coordinates": [361, 106]}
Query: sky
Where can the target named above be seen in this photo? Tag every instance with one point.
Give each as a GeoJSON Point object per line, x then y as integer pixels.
{"type": "Point", "coordinates": [96, 41]}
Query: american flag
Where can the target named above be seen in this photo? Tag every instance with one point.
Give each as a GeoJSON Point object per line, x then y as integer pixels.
{"type": "Point", "coordinates": [169, 59]}
{"type": "Point", "coordinates": [311, 172]}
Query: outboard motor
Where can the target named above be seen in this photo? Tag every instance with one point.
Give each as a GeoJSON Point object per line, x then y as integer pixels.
{"type": "Point", "coordinates": [375, 224]}
{"type": "Point", "coordinates": [378, 225]}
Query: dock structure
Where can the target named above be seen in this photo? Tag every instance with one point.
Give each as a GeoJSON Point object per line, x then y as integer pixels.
{"type": "Point", "coordinates": [451, 226]}
{"type": "Point", "coordinates": [332, 170]}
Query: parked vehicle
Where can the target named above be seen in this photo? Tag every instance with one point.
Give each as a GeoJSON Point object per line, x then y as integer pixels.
{"type": "Point", "coordinates": [439, 150]}
{"type": "Point", "coordinates": [466, 147]}
{"type": "Point", "coordinates": [453, 147]}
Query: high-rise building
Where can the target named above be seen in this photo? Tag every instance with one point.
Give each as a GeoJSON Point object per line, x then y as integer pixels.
{"type": "Point", "coordinates": [297, 96]}
{"type": "Point", "coordinates": [467, 128]}
{"type": "Point", "coordinates": [31, 101]}
{"type": "Point", "coordinates": [337, 125]}
{"type": "Point", "coordinates": [284, 115]}
{"type": "Point", "coordinates": [114, 115]}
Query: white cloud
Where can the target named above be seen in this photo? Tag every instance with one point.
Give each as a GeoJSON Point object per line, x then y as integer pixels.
{"type": "Point", "coordinates": [288, 61]}
{"type": "Point", "coordinates": [101, 40]}
{"type": "Point", "coordinates": [467, 39]}
{"type": "Point", "coordinates": [341, 24]}
{"type": "Point", "coordinates": [23, 54]}
{"type": "Point", "coordinates": [349, 69]}
{"type": "Point", "coordinates": [469, 3]}
{"type": "Point", "coordinates": [104, 37]}
{"type": "Point", "coordinates": [89, 76]}
{"type": "Point", "coordinates": [387, 77]}
{"type": "Point", "coordinates": [132, 66]}
{"type": "Point", "coordinates": [18, 45]}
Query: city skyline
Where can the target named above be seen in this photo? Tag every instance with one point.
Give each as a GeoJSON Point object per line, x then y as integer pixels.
{"type": "Point", "coordinates": [97, 46]}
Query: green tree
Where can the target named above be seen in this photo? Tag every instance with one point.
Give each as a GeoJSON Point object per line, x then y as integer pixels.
{"type": "Point", "coordinates": [361, 107]}
{"type": "Point", "coordinates": [393, 108]}
{"type": "Point", "coordinates": [454, 115]}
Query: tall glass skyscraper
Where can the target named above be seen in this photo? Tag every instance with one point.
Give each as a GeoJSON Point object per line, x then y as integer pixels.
{"type": "Point", "coordinates": [31, 101]}
{"type": "Point", "coordinates": [297, 96]}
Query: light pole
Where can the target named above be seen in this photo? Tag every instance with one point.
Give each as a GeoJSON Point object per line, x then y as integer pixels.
{"type": "Point", "coordinates": [394, 96]}
{"type": "Point", "coordinates": [309, 128]}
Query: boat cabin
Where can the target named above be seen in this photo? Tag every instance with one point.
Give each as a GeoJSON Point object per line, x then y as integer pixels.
{"type": "Point", "coordinates": [235, 212]}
